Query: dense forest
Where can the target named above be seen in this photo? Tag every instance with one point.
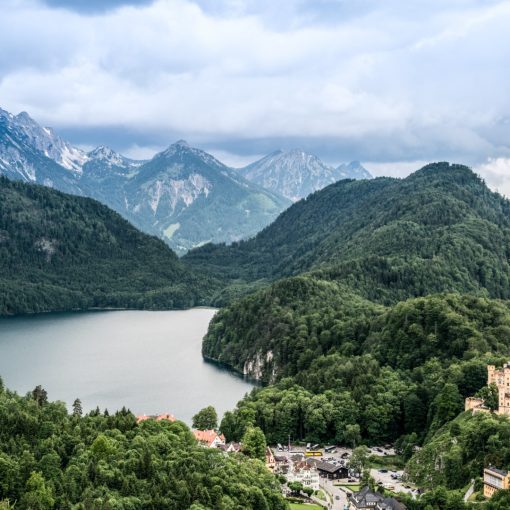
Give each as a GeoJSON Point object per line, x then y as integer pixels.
{"type": "Point", "coordinates": [360, 373]}
{"type": "Point", "coordinates": [50, 459]}
{"type": "Point", "coordinates": [62, 252]}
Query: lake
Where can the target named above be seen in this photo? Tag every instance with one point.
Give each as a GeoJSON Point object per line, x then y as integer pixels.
{"type": "Point", "coordinates": [150, 362]}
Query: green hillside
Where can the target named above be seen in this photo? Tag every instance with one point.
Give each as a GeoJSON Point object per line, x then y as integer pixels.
{"type": "Point", "coordinates": [350, 371]}
{"type": "Point", "coordinates": [392, 301]}
{"type": "Point", "coordinates": [440, 229]}
{"type": "Point", "coordinates": [62, 252]}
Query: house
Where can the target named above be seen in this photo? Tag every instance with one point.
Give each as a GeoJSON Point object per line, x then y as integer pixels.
{"type": "Point", "coordinates": [494, 480]}
{"type": "Point", "coordinates": [302, 472]}
{"type": "Point", "coordinates": [367, 499]}
{"type": "Point", "coordinates": [230, 447]}
{"type": "Point", "coordinates": [209, 438]}
{"type": "Point", "coordinates": [281, 464]}
{"type": "Point", "coordinates": [160, 417]}
{"type": "Point", "coordinates": [270, 460]}
{"type": "Point", "coordinates": [332, 471]}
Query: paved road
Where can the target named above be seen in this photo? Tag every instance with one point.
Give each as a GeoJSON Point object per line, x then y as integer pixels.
{"type": "Point", "coordinates": [341, 502]}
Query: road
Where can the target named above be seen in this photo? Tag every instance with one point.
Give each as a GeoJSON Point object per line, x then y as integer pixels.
{"type": "Point", "coordinates": [341, 502]}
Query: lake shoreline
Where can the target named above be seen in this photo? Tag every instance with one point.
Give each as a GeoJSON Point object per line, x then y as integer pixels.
{"type": "Point", "coordinates": [104, 309]}
{"type": "Point", "coordinates": [148, 362]}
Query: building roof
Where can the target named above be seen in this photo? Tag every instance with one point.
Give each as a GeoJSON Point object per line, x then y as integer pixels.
{"type": "Point", "coordinates": [367, 498]}
{"type": "Point", "coordinates": [390, 504]}
{"type": "Point", "coordinates": [501, 472]}
{"type": "Point", "coordinates": [160, 417]}
{"type": "Point", "coordinates": [230, 447]}
{"type": "Point", "coordinates": [167, 417]}
{"type": "Point", "coordinates": [207, 436]}
{"type": "Point", "coordinates": [330, 468]}
{"type": "Point", "coordinates": [302, 466]}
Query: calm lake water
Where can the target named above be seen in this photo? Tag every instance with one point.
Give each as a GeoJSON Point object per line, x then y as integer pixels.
{"type": "Point", "coordinates": [148, 361]}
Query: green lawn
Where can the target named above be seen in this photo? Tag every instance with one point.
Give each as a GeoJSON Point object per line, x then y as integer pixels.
{"type": "Point", "coordinates": [303, 506]}
{"type": "Point", "coordinates": [320, 494]}
{"type": "Point", "coordinates": [353, 486]}
{"type": "Point", "coordinates": [390, 462]}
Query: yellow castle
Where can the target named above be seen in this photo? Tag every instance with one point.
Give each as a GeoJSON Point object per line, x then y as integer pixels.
{"type": "Point", "coordinates": [501, 378]}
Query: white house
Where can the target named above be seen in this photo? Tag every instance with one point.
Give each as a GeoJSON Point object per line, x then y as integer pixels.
{"type": "Point", "coordinates": [304, 473]}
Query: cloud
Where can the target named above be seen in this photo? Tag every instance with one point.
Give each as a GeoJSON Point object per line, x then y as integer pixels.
{"type": "Point", "coordinates": [496, 172]}
{"type": "Point", "coordinates": [351, 79]}
{"type": "Point", "coordinates": [93, 6]}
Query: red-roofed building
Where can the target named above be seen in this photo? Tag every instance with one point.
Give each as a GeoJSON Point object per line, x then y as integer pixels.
{"type": "Point", "coordinates": [209, 438]}
{"type": "Point", "coordinates": [161, 417]}
{"type": "Point", "coordinates": [168, 417]}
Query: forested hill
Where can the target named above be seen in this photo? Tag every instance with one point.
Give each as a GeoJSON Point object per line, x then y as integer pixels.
{"type": "Point", "coordinates": [52, 460]}
{"type": "Point", "coordinates": [397, 301]}
{"type": "Point", "coordinates": [440, 229]}
{"type": "Point", "coordinates": [62, 252]}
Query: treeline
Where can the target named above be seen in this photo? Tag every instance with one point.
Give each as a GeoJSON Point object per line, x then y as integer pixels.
{"type": "Point", "coordinates": [52, 460]}
{"type": "Point", "coordinates": [62, 252]}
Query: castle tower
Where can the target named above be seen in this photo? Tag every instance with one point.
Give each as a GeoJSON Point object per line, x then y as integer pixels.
{"type": "Point", "coordinates": [501, 378]}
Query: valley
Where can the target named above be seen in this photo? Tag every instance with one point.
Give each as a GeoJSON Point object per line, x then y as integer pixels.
{"type": "Point", "coordinates": [254, 255]}
{"type": "Point", "coordinates": [368, 310]}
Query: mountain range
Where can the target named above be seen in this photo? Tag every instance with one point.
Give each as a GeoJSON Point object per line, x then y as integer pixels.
{"type": "Point", "coordinates": [183, 195]}
{"type": "Point", "coordinates": [295, 173]}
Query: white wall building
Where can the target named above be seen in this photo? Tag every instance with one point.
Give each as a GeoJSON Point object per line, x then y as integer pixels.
{"type": "Point", "coordinates": [302, 472]}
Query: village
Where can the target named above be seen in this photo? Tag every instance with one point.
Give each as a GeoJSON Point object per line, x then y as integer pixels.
{"type": "Point", "coordinates": [323, 475]}
{"type": "Point", "coordinates": [329, 476]}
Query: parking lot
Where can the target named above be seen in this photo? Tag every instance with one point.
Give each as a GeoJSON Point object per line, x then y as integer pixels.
{"type": "Point", "coordinates": [389, 479]}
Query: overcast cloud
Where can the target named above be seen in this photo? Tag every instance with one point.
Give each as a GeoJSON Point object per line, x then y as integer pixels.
{"type": "Point", "coordinates": [394, 83]}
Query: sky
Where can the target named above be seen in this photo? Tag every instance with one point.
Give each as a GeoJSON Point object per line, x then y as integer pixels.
{"type": "Point", "coordinates": [391, 83]}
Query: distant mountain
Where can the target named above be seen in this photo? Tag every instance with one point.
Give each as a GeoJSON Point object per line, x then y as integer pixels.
{"type": "Point", "coordinates": [188, 197]}
{"type": "Point", "coordinates": [63, 252]}
{"type": "Point", "coordinates": [183, 195]}
{"type": "Point", "coordinates": [295, 174]}
{"type": "Point", "coordinates": [352, 170]}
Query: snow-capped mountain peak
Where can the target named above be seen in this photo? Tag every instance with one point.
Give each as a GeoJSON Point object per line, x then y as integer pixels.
{"type": "Point", "coordinates": [107, 155]}
{"type": "Point", "coordinates": [45, 140]}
